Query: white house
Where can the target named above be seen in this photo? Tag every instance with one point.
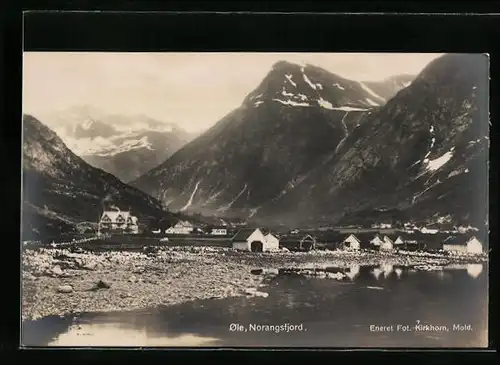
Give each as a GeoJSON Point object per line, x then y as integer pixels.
{"type": "Point", "coordinates": [117, 220]}
{"type": "Point", "coordinates": [429, 230]}
{"type": "Point", "coordinates": [219, 231]}
{"type": "Point", "coordinates": [387, 244]}
{"type": "Point", "coordinates": [249, 239]}
{"type": "Point", "coordinates": [474, 246]}
{"type": "Point", "coordinates": [272, 242]}
{"type": "Point", "coordinates": [181, 227]}
{"type": "Point", "coordinates": [376, 241]}
{"type": "Point", "coordinates": [385, 225]}
{"type": "Point", "coordinates": [399, 241]}
{"type": "Point", "coordinates": [156, 231]}
{"type": "Point", "coordinates": [351, 243]}
{"type": "Point", "coordinates": [461, 245]}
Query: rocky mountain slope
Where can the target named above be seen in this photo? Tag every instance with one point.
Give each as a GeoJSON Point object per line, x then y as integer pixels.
{"type": "Point", "coordinates": [389, 87]}
{"type": "Point", "coordinates": [125, 146]}
{"type": "Point", "coordinates": [423, 156]}
{"type": "Point", "coordinates": [308, 146]}
{"type": "Point", "coordinates": [288, 124]}
{"type": "Point", "coordinates": [60, 190]}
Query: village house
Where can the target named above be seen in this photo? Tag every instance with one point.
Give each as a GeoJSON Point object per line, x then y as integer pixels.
{"type": "Point", "coordinates": [299, 242]}
{"type": "Point", "coordinates": [463, 245]}
{"type": "Point", "coordinates": [272, 241]}
{"type": "Point", "coordinates": [398, 241]}
{"type": "Point", "coordinates": [376, 241]}
{"type": "Point", "coordinates": [385, 226]}
{"type": "Point", "coordinates": [386, 245]}
{"type": "Point", "coordinates": [351, 243]}
{"type": "Point", "coordinates": [250, 239]}
{"type": "Point", "coordinates": [430, 229]}
{"type": "Point", "coordinates": [181, 227]}
{"type": "Point", "coordinates": [118, 221]}
{"type": "Point", "coordinates": [218, 231]}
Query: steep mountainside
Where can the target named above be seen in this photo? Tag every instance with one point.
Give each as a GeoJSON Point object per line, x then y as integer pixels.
{"type": "Point", "coordinates": [390, 87]}
{"type": "Point", "coordinates": [61, 190]}
{"type": "Point", "coordinates": [125, 146]}
{"type": "Point", "coordinates": [423, 155]}
{"type": "Point", "coordinates": [294, 119]}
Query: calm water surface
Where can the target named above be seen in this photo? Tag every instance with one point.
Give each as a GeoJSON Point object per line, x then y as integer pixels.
{"type": "Point", "coordinates": [332, 314]}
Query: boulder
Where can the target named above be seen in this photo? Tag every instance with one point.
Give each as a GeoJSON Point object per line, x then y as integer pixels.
{"type": "Point", "coordinates": [65, 289]}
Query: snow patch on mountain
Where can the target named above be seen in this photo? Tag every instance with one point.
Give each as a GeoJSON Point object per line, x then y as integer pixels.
{"type": "Point", "coordinates": [285, 93]}
{"type": "Point", "coordinates": [257, 103]}
{"type": "Point", "coordinates": [87, 124]}
{"type": "Point", "coordinates": [371, 92]}
{"type": "Point", "coordinates": [349, 109]}
{"type": "Point", "coordinates": [226, 207]}
{"type": "Point", "coordinates": [436, 164]}
{"type": "Point", "coordinates": [190, 201]}
{"type": "Point", "coordinates": [306, 79]}
{"type": "Point", "coordinates": [289, 78]}
{"type": "Point", "coordinates": [340, 87]}
{"type": "Point", "coordinates": [325, 104]}
{"type": "Point", "coordinates": [371, 102]}
{"type": "Point", "coordinates": [290, 102]}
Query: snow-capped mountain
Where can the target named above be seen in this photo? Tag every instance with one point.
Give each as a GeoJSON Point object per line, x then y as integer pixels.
{"type": "Point", "coordinates": [422, 156]}
{"type": "Point", "coordinates": [288, 124]}
{"type": "Point", "coordinates": [308, 145]}
{"type": "Point", "coordinates": [61, 190]}
{"type": "Point", "coordinates": [125, 146]}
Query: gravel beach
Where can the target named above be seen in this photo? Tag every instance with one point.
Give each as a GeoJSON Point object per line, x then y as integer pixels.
{"type": "Point", "coordinates": [58, 281]}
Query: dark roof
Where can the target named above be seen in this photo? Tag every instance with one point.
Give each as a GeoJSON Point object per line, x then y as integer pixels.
{"type": "Point", "coordinates": [243, 233]}
{"type": "Point", "coordinates": [459, 239]}
{"type": "Point", "coordinates": [295, 237]}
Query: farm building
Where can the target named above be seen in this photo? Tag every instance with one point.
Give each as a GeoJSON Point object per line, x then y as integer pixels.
{"type": "Point", "coordinates": [430, 229]}
{"type": "Point", "coordinates": [298, 242]}
{"type": "Point", "coordinates": [250, 239]}
{"type": "Point", "coordinates": [463, 244]}
{"type": "Point", "coordinates": [181, 227]}
{"type": "Point", "coordinates": [387, 245]}
{"type": "Point", "coordinates": [272, 242]}
{"type": "Point", "coordinates": [118, 221]}
{"type": "Point", "coordinates": [351, 242]}
{"type": "Point", "coordinates": [218, 231]}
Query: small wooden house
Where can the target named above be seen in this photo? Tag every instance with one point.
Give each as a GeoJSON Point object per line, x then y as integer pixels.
{"type": "Point", "coordinates": [351, 243]}
{"type": "Point", "coordinates": [181, 227]}
{"type": "Point", "coordinates": [387, 244]}
{"type": "Point", "coordinates": [272, 242]}
{"type": "Point", "coordinates": [298, 242]}
{"type": "Point", "coordinates": [398, 242]}
{"type": "Point", "coordinates": [250, 239]}
{"type": "Point", "coordinates": [376, 241]}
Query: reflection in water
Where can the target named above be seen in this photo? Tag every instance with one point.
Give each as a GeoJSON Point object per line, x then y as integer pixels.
{"type": "Point", "coordinates": [335, 313]}
{"type": "Point", "coordinates": [398, 272]}
{"type": "Point", "coordinates": [352, 272]}
{"type": "Point", "coordinates": [387, 269]}
{"type": "Point", "coordinates": [376, 272]}
{"type": "Point", "coordinates": [474, 270]}
{"type": "Point", "coordinates": [109, 334]}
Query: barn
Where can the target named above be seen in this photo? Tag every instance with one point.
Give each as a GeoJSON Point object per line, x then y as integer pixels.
{"type": "Point", "coordinates": [251, 239]}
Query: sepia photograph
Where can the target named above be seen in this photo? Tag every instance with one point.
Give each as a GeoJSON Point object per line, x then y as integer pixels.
{"type": "Point", "coordinates": [321, 200]}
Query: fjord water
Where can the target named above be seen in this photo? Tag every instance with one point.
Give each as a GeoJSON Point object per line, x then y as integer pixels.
{"type": "Point", "coordinates": [332, 313]}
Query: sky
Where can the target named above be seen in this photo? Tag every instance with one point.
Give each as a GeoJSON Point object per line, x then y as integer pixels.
{"type": "Point", "coordinates": [193, 90]}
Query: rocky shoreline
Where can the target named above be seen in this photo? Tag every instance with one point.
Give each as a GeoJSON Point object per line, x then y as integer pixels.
{"type": "Point", "coordinates": [58, 281]}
